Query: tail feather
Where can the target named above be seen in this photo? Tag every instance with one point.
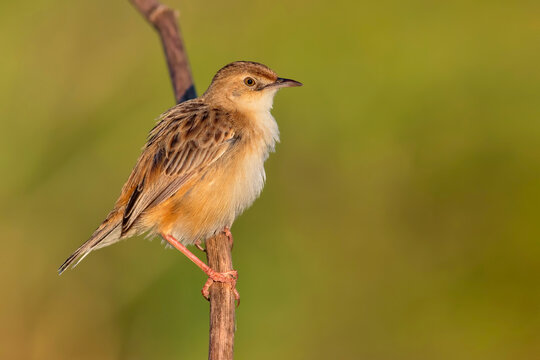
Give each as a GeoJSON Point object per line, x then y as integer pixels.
{"type": "Point", "coordinates": [107, 234]}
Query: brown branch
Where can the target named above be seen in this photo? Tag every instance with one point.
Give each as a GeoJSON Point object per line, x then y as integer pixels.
{"type": "Point", "coordinates": [218, 250]}
{"type": "Point", "coordinates": [222, 300]}
{"type": "Point", "coordinates": [163, 19]}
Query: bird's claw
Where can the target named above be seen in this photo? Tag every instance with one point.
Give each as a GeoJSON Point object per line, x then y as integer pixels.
{"type": "Point", "coordinates": [228, 234]}
{"type": "Point", "coordinates": [198, 245]}
{"type": "Point", "coordinates": [224, 277]}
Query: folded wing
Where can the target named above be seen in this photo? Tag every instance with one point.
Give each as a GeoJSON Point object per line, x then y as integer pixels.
{"type": "Point", "coordinates": [186, 141]}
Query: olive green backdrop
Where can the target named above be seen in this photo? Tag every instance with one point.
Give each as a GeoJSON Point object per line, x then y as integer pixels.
{"type": "Point", "coordinates": [401, 214]}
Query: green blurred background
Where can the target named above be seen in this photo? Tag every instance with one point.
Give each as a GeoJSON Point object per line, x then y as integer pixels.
{"type": "Point", "coordinates": [400, 217]}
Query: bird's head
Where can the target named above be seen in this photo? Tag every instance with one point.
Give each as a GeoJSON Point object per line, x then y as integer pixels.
{"type": "Point", "coordinates": [246, 86]}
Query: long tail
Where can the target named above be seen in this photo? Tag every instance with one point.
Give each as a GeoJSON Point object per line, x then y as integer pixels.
{"type": "Point", "coordinates": [108, 233]}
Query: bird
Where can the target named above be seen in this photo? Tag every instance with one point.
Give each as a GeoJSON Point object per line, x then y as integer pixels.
{"type": "Point", "coordinates": [201, 167]}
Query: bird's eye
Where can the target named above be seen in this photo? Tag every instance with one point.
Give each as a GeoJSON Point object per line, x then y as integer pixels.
{"type": "Point", "coordinates": [249, 81]}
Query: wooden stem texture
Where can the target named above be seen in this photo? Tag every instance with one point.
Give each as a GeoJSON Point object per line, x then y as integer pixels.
{"type": "Point", "coordinates": [163, 19]}
{"type": "Point", "coordinates": [218, 250]}
{"type": "Point", "coordinates": [222, 300]}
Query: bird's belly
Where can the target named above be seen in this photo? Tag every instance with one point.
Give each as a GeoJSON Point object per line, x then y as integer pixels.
{"type": "Point", "coordinates": [217, 198]}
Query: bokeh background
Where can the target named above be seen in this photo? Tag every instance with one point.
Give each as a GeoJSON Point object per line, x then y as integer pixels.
{"type": "Point", "coordinates": [401, 215]}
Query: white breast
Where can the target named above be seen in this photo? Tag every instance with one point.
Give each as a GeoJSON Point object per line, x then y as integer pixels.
{"type": "Point", "coordinates": [252, 176]}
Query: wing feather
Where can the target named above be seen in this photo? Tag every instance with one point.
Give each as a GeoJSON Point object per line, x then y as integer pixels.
{"type": "Point", "coordinates": [186, 141]}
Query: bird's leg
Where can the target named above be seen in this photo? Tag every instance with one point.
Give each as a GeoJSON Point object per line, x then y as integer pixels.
{"type": "Point", "coordinates": [228, 234]}
{"type": "Point", "coordinates": [224, 277]}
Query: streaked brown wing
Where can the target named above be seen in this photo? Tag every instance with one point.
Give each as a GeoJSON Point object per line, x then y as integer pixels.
{"type": "Point", "coordinates": [187, 139]}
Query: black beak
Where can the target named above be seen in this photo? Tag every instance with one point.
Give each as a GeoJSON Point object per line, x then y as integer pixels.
{"type": "Point", "coordinates": [281, 82]}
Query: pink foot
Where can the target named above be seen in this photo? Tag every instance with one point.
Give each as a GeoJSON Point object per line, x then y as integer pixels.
{"type": "Point", "coordinates": [224, 277]}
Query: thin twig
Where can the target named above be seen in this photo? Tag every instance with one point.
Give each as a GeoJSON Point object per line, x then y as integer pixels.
{"type": "Point", "coordinates": [218, 250]}
{"type": "Point", "coordinates": [163, 19]}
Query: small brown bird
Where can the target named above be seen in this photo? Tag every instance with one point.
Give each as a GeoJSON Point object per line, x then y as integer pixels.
{"type": "Point", "coordinates": [201, 167]}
